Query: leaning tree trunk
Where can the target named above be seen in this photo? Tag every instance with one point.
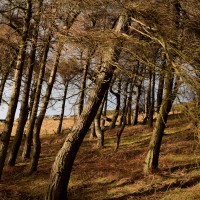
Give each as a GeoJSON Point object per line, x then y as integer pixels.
{"type": "Point", "coordinates": [61, 169]}
{"type": "Point", "coordinates": [151, 161]}
{"type": "Point", "coordinates": [29, 136]}
{"type": "Point", "coordinates": [39, 120]}
{"type": "Point", "coordinates": [59, 129]}
{"type": "Point", "coordinates": [5, 136]}
{"type": "Point", "coordinates": [24, 104]}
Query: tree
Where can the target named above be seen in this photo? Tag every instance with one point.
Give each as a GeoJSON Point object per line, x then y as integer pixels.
{"type": "Point", "coordinates": [62, 166]}
{"type": "Point", "coordinates": [5, 137]}
{"type": "Point", "coordinates": [25, 97]}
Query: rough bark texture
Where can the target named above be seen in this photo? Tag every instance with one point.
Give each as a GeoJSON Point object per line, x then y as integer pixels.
{"type": "Point", "coordinates": [28, 142]}
{"type": "Point", "coordinates": [151, 161]}
{"type": "Point", "coordinates": [24, 104]}
{"type": "Point", "coordinates": [62, 166]}
{"type": "Point", "coordinates": [39, 120]}
{"type": "Point", "coordinates": [5, 137]}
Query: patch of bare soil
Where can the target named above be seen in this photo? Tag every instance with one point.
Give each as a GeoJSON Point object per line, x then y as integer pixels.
{"type": "Point", "coordinates": [108, 174]}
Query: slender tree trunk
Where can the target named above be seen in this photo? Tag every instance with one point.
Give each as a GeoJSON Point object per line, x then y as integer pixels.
{"type": "Point", "coordinates": [124, 104]}
{"type": "Point", "coordinates": [151, 161]}
{"type": "Point", "coordinates": [60, 173]}
{"type": "Point", "coordinates": [148, 99]}
{"type": "Point", "coordinates": [161, 83]}
{"type": "Point", "coordinates": [117, 109]}
{"type": "Point", "coordinates": [104, 111]}
{"type": "Point", "coordinates": [29, 136]}
{"type": "Point", "coordinates": [4, 78]}
{"type": "Point", "coordinates": [130, 100]}
{"type": "Point", "coordinates": [59, 129]}
{"type": "Point", "coordinates": [98, 130]}
{"type": "Point", "coordinates": [82, 89]}
{"type": "Point", "coordinates": [152, 102]}
{"type": "Point", "coordinates": [137, 99]}
{"type": "Point", "coordinates": [5, 137]}
{"type": "Point", "coordinates": [24, 104]}
{"type": "Point", "coordinates": [39, 120]}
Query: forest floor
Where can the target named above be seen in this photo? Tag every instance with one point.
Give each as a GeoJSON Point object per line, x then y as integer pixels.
{"type": "Point", "coordinates": [109, 174]}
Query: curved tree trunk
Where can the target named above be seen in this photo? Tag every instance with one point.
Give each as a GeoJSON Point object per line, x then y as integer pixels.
{"type": "Point", "coordinates": [29, 136]}
{"type": "Point", "coordinates": [62, 166]}
{"type": "Point", "coordinates": [24, 104]}
{"type": "Point", "coordinates": [5, 137]}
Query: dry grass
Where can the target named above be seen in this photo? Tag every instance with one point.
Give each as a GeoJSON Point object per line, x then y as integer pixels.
{"type": "Point", "coordinates": [107, 174]}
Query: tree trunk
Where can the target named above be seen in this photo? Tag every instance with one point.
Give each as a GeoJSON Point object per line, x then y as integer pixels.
{"type": "Point", "coordinates": [148, 99]}
{"type": "Point", "coordinates": [125, 102]}
{"type": "Point", "coordinates": [151, 161]}
{"type": "Point", "coordinates": [92, 131]}
{"type": "Point", "coordinates": [129, 112]}
{"type": "Point", "coordinates": [137, 99]}
{"type": "Point", "coordinates": [29, 136]}
{"type": "Point", "coordinates": [152, 102]}
{"type": "Point", "coordinates": [59, 129]}
{"type": "Point", "coordinates": [24, 104]}
{"type": "Point", "coordinates": [117, 109]}
{"type": "Point", "coordinates": [62, 166]}
{"type": "Point", "coordinates": [161, 84]}
{"type": "Point", "coordinates": [5, 137]}
{"type": "Point", "coordinates": [4, 79]}
{"type": "Point", "coordinates": [98, 130]}
{"type": "Point", "coordinates": [82, 89]}
{"type": "Point", "coordinates": [39, 120]}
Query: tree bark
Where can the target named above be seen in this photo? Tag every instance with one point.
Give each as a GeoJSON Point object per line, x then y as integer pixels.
{"type": "Point", "coordinates": [97, 122]}
{"type": "Point", "coordinates": [62, 166]}
{"type": "Point", "coordinates": [24, 104]}
{"type": "Point", "coordinates": [151, 161]}
{"type": "Point", "coordinates": [125, 102]}
{"type": "Point", "coordinates": [39, 120]}
{"type": "Point", "coordinates": [59, 129]}
{"type": "Point", "coordinates": [82, 89]}
{"type": "Point", "coordinates": [29, 136]}
{"type": "Point", "coordinates": [5, 137]}
{"type": "Point", "coordinates": [117, 109]}
{"type": "Point", "coordinates": [4, 78]}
